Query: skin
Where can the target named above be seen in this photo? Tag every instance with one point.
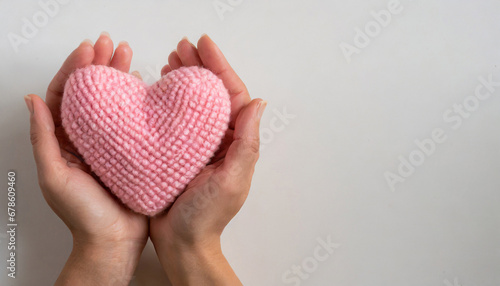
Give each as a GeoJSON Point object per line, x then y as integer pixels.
{"type": "Point", "coordinates": [108, 238]}
{"type": "Point", "coordinates": [187, 237]}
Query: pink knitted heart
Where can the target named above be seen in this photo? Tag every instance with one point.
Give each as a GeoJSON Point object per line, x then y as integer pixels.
{"type": "Point", "coordinates": [146, 143]}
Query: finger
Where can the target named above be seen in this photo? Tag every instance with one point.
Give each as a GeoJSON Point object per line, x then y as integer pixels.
{"type": "Point", "coordinates": [103, 50]}
{"type": "Point", "coordinates": [188, 54]}
{"type": "Point", "coordinates": [136, 74]}
{"type": "Point", "coordinates": [79, 58]}
{"type": "Point", "coordinates": [214, 60]}
{"type": "Point", "coordinates": [174, 61]}
{"type": "Point", "coordinates": [166, 69]}
{"type": "Point", "coordinates": [45, 145]}
{"type": "Point", "coordinates": [122, 57]}
{"type": "Point", "coordinates": [243, 153]}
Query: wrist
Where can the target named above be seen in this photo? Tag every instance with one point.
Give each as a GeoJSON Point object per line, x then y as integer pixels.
{"type": "Point", "coordinates": [196, 263]}
{"type": "Point", "coordinates": [109, 248]}
{"type": "Point", "coordinates": [103, 263]}
{"type": "Point", "coordinates": [179, 253]}
{"type": "Point", "coordinates": [202, 251]}
{"type": "Point", "coordinates": [210, 244]}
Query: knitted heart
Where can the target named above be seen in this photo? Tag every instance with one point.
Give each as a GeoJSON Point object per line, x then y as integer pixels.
{"type": "Point", "coordinates": [146, 143]}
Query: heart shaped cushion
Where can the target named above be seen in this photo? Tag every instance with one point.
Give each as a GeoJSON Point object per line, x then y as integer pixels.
{"type": "Point", "coordinates": [146, 143]}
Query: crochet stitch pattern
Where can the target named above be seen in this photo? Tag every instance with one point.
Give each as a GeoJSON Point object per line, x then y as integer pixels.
{"type": "Point", "coordinates": [145, 143]}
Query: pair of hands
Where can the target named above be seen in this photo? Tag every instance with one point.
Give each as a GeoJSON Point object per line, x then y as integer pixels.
{"type": "Point", "coordinates": [108, 238]}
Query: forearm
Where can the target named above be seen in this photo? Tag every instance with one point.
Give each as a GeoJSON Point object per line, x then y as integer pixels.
{"type": "Point", "coordinates": [99, 265]}
{"type": "Point", "coordinates": [200, 265]}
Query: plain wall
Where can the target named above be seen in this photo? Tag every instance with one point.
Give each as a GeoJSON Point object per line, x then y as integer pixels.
{"type": "Point", "coordinates": [321, 171]}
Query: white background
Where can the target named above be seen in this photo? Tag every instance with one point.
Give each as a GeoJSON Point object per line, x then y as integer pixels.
{"type": "Point", "coordinates": [321, 173]}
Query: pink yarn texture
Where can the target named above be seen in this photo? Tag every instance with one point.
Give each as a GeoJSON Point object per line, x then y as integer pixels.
{"type": "Point", "coordinates": [146, 143]}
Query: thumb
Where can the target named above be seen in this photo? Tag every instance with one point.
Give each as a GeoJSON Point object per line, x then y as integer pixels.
{"type": "Point", "coordinates": [45, 145]}
{"type": "Point", "coordinates": [243, 153]}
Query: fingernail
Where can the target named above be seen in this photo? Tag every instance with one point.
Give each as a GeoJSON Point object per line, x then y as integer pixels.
{"type": "Point", "coordinates": [261, 107]}
{"type": "Point", "coordinates": [104, 33]}
{"type": "Point", "coordinates": [88, 41]}
{"type": "Point", "coordinates": [136, 74]}
{"type": "Point", "coordinates": [29, 103]}
{"type": "Point", "coordinates": [186, 38]}
{"type": "Point", "coordinates": [123, 43]}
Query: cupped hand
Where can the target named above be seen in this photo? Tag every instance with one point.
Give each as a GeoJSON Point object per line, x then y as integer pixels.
{"type": "Point", "coordinates": [95, 218]}
{"type": "Point", "coordinates": [195, 221]}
